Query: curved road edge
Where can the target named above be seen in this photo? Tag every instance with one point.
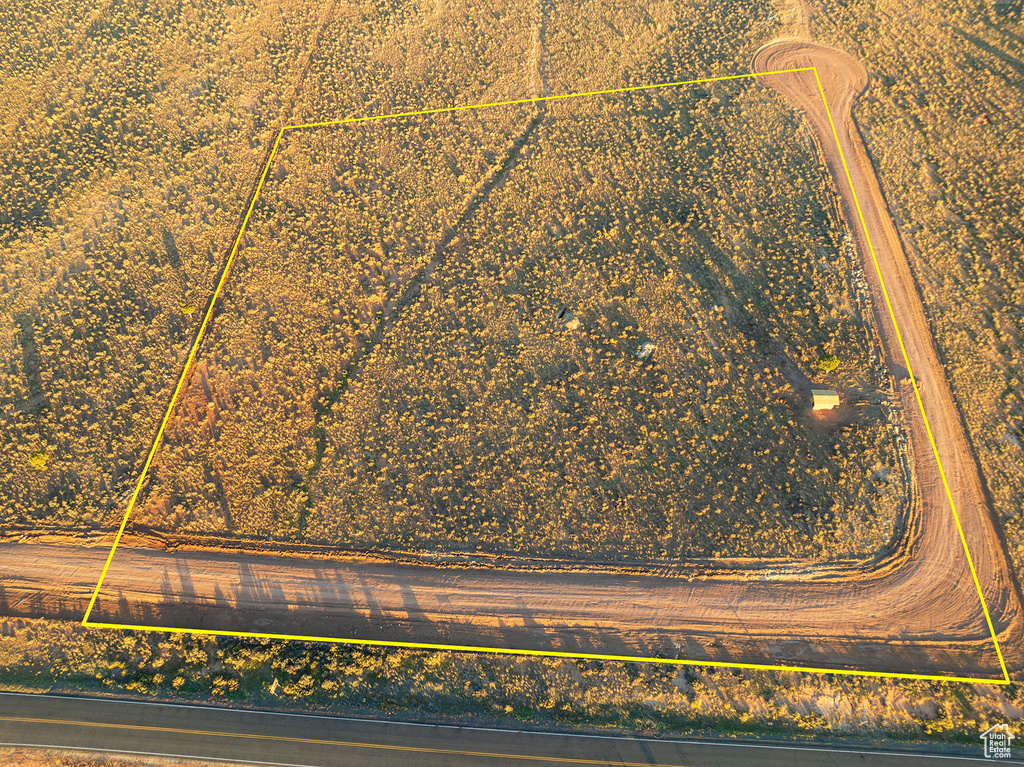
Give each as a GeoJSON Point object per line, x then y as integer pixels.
{"type": "Point", "coordinates": [951, 514]}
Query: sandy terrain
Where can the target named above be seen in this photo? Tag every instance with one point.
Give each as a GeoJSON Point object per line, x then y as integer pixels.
{"type": "Point", "coordinates": [916, 612]}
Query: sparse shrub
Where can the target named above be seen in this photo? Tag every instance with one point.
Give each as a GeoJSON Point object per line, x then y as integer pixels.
{"type": "Point", "coordinates": [827, 363]}
{"type": "Point", "coordinates": [58, 656]}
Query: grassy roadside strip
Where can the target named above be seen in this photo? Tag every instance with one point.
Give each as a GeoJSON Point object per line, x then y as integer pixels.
{"type": "Point", "coordinates": [40, 655]}
{"type": "Point", "coordinates": [53, 757]}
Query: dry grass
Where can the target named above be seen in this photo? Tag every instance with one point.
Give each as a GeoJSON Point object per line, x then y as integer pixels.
{"type": "Point", "coordinates": [332, 403]}
{"type": "Point", "coordinates": [52, 757]}
{"type": "Point", "coordinates": [471, 421]}
{"type": "Point", "coordinates": [478, 424]}
{"type": "Point", "coordinates": [41, 654]}
{"type": "Point", "coordinates": [129, 137]}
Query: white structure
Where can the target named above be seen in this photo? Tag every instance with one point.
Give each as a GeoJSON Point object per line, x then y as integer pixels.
{"type": "Point", "coordinates": [645, 350]}
{"type": "Point", "coordinates": [567, 319]}
{"type": "Point", "coordinates": [824, 399]}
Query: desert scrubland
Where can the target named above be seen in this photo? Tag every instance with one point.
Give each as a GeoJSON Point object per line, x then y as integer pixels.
{"type": "Point", "coordinates": [481, 421]}
{"type": "Point", "coordinates": [386, 370]}
{"type": "Point", "coordinates": [132, 136]}
{"type": "Point", "coordinates": [309, 290]}
{"type": "Point", "coordinates": [134, 132]}
{"type": "Point", "coordinates": [501, 690]}
{"type": "Point", "coordinates": [336, 400]}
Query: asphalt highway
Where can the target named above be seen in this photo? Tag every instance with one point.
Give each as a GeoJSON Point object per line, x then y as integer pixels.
{"type": "Point", "coordinates": [251, 737]}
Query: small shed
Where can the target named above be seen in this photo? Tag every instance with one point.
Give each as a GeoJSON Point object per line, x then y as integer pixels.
{"type": "Point", "coordinates": [567, 319]}
{"type": "Point", "coordinates": [645, 350]}
{"type": "Point", "coordinates": [824, 399]}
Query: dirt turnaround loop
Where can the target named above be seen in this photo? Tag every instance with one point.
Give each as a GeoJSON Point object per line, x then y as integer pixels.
{"type": "Point", "coordinates": [916, 612]}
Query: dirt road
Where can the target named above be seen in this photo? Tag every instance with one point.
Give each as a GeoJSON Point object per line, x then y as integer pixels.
{"type": "Point", "coordinates": [917, 612]}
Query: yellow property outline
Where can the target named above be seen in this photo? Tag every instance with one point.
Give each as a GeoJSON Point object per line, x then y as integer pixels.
{"type": "Point", "coordinates": [589, 656]}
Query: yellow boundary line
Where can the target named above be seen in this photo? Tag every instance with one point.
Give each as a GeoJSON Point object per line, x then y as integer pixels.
{"type": "Point", "coordinates": [913, 382]}
{"type": "Point", "coordinates": [468, 648]}
{"type": "Point", "coordinates": [551, 653]}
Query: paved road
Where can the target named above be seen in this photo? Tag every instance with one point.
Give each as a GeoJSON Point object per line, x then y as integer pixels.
{"type": "Point", "coordinates": [289, 739]}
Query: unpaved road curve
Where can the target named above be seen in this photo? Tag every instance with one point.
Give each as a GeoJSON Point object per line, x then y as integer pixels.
{"type": "Point", "coordinates": [917, 612]}
{"type": "Point", "coordinates": [842, 79]}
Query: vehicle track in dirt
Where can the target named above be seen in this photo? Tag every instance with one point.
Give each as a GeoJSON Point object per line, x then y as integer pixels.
{"type": "Point", "coordinates": [951, 514]}
{"type": "Point", "coordinates": [916, 612]}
